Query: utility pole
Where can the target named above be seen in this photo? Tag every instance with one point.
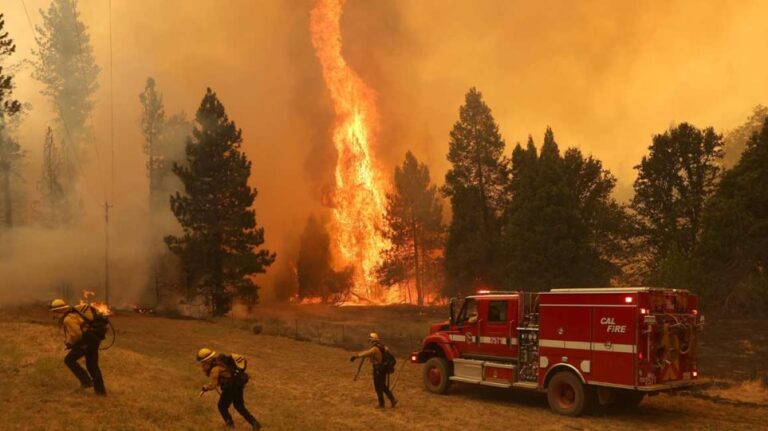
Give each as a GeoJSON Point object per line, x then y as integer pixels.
{"type": "Point", "coordinates": [107, 206]}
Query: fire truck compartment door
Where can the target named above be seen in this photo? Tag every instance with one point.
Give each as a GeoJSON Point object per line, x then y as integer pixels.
{"type": "Point", "coordinates": [614, 345]}
{"type": "Point", "coordinates": [467, 370]}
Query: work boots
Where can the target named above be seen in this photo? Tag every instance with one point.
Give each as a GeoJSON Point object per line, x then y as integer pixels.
{"type": "Point", "coordinates": [230, 424]}
{"type": "Point", "coordinates": [254, 424]}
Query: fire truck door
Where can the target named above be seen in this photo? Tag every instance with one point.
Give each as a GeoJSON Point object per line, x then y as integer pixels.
{"type": "Point", "coordinates": [468, 325]}
{"type": "Point", "coordinates": [613, 345]}
{"type": "Point", "coordinates": [498, 331]}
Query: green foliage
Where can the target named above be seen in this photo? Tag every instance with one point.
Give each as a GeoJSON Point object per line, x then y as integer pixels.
{"type": "Point", "coordinates": [10, 151]}
{"type": "Point", "coordinates": [314, 269]}
{"type": "Point", "coordinates": [732, 257]}
{"type": "Point", "coordinates": [219, 248]}
{"type": "Point", "coordinates": [673, 184]}
{"type": "Point", "coordinates": [414, 228]}
{"type": "Point", "coordinates": [476, 186]}
{"type": "Point", "coordinates": [562, 228]}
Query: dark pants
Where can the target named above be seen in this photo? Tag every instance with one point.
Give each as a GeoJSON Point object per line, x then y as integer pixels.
{"type": "Point", "coordinates": [234, 395]}
{"type": "Point", "coordinates": [382, 387]}
{"type": "Point", "coordinates": [93, 376]}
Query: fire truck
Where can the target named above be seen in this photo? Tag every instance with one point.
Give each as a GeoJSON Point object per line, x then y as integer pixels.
{"type": "Point", "coordinates": [583, 347]}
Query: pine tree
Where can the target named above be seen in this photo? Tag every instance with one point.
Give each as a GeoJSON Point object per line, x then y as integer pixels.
{"type": "Point", "coordinates": [220, 246]}
{"type": "Point", "coordinates": [50, 184]}
{"type": "Point", "coordinates": [731, 258]}
{"type": "Point", "coordinates": [152, 123]}
{"type": "Point", "coordinates": [10, 151]}
{"type": "Point", "coordinates": [562, 228]}
{"type": "Point", "coordinates": [673, 184]}
{"type": "Point", "coordinates": [476, 186]}
{"type": "Point", "coordinates": [65, 65]}
{"type": "Point", "coordinates": [414, 227]}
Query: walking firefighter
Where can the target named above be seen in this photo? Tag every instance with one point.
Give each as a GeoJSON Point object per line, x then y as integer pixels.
{"type": "Point", "coordinates": [383, 365]}
{"type": "Point", "coordinates": [84, 329]}
{"type": "Point", "coordinates": [228, 373]}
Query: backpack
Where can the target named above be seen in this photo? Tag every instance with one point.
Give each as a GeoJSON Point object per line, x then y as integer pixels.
{"type": "Point", "coordinates": [236, 364]}
{"type": "Point", "coordinates": [96, 327]}
{"type": "Point", "coordinates": [388, 361]}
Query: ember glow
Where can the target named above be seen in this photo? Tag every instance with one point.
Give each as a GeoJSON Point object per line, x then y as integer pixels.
{"type": "Point", "coordinates": [359, 198]}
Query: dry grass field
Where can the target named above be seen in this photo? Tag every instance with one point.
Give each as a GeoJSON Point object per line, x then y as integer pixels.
{"type": "Point", "coordinates": [153, 382]}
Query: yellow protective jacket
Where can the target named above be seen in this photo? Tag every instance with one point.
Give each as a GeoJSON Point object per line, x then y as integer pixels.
{"type": "Point", "coordinates": [73, 323]}
{"type": "Point", "coordinates": [374, 354]}
{"type": "Point", "coordinates": [219, 374]}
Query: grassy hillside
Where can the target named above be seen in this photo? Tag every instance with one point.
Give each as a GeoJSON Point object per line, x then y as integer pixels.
{"type": "Point", "coordinates": [153, 381]}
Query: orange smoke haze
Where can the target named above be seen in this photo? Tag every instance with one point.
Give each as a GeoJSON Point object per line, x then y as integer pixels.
{"type": "Point", "coordinates": [605, 75]}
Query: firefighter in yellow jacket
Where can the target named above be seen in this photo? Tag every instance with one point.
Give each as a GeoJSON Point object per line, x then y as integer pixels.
{"type": "Point", "coordinates": [380, 375]}
{"type": "Point", "coordinates": [225, 374]}
{"type": "Point", "coordinates": [81, 341]}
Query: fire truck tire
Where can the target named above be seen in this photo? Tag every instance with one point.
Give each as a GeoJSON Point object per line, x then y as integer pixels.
{"type": "Point", "coordinates": [436, 375]}
{"type": "Point", "coordinates": [568, 396]}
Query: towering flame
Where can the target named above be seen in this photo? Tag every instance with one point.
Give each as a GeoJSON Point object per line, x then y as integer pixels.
{"type": "Point", "coordinates": [359, 204]}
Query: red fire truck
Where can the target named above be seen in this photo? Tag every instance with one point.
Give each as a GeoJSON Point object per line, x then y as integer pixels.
{"type": "Point", "coordinates": [583, 347]}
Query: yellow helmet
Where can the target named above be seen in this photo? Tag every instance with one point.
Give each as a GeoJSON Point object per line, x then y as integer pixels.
{"type": "Point", "coordinates": [57, 305]}
{"type": "Point", "coordinates": [205, 354]}
{"type": "Point", "coordinates": [373, 337]}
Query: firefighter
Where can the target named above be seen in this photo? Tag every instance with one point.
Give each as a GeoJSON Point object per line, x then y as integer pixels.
{"type": "Point", "coordinates": [82, 340]}
{"type": "Point", "coordinates": [224, 374]}
{"type": "Point", "coordinates": [377, 353]}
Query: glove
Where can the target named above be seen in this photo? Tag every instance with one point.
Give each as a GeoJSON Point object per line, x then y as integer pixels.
{"type": "Point", "coordinates": [352, 358]}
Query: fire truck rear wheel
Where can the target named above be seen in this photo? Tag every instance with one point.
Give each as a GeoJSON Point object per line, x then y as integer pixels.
{"type": "Point", "coordinates": [568, 396]}
{"type": "Point", "coordinates": [436, 373]}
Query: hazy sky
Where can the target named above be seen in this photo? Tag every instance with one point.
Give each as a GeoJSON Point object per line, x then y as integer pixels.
{"type": "Point", "coordinates": [605, 75]}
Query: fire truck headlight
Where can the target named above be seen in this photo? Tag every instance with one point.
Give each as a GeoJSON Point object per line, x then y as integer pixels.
{"type": "Point", "coordinates": [414, 358]}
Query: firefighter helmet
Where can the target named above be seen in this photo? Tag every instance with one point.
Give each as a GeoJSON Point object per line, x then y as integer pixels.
{"type": "Point", "coordinates": [373, 337]}
{"type": "Point", "coordinates": [58, 305]}
{"type": "Point", "coordinates": [205, 354]}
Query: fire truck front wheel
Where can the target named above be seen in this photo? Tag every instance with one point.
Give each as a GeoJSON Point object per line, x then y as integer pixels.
{"type": "Point", "coordinates": [568, 396]}
{"type": "Point", "coordinates": [436, 373]}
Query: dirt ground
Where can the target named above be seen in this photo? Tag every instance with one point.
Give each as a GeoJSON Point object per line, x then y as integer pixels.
{"type": "Point", "coordinates": [153, 382]}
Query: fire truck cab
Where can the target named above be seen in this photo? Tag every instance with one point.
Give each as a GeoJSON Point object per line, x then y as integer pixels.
{"type": "Point", "coordinates": [583, 347]}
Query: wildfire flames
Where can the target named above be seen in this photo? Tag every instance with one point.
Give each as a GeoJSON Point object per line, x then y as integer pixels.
{"type": "Point", "coordinates": [359, 199]}
{"type": "Point", "coordinates": [101, 307]}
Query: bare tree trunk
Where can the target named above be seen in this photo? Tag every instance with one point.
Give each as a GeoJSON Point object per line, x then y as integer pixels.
{"type": "Point", "coordinates": [419, 291]}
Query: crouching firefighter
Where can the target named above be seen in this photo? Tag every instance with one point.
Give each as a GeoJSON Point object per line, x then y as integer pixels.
{"type": "Point", "coordinates": [383, 365]}
{"type": "Point", "coordinates": [84, 329]}
{"type": "Point", "coordinates": [228, 373]}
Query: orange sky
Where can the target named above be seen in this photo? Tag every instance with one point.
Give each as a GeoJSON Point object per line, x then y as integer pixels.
{"type": "Point", "coordinates": [605, 75]}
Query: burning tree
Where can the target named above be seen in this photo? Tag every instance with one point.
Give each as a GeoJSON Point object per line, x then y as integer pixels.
{"type": "Point", "coordinates": [219, 248]}
{"type": "Point", "coordinates": [314, 269]}
{"type": "Point", "coordinates": [414, 227]}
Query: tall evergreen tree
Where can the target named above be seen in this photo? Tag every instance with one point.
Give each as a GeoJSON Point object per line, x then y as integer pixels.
{"type": "Point", "coordinates": [152, 123]}
{"type": "Point", "coordinates": [732, 256]}
{"type": "Point", "coordinates": [414, 227]}
{"type": "Point", "coordinates": [10, 151]}
{"type": "Point", "coordinates": [562, 228]}
{"type": "Point", "coordinates": [50, 182]}
{"type": "Point", "coordinates": [220, 246]}
{"type": "Point", "coordinates": [476, 186]}
{"type": "Point", "coordinates": [673, 184]}
{"type": "Point", "coordinates": [65, 65]}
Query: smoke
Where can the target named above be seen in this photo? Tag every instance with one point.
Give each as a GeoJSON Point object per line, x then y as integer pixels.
{"type": "Point", "coordinates": [605, 75]}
